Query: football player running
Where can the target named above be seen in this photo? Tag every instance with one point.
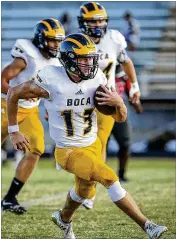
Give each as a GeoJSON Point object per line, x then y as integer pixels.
{"type": "Point", "coordinates": [68, 93]}
{"type": "Point", "coordinates": [111, 44]}
{"type": "Point", "coordinates": [30, 56]}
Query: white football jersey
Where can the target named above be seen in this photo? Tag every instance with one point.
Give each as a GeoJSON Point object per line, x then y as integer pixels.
{"type": "Point", "coordinates": [108, 49]}
{"type": "Point", "coordinates": [26, 50]}
{"type": "Point", "coordinates": [72, 118]}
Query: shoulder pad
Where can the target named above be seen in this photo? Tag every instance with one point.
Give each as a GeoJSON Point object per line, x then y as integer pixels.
{"type": "Point", "coordinates": [47, 77]}
{"type": "Point", "coordinates": [41, 79]}
{"type": "Point", "coordinates": [117, 38]}
{"type": "Point", "coordinates": [25, 47]}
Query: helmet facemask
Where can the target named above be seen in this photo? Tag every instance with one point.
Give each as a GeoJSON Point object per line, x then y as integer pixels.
{"type": "Point", "coordinates": [71, 62]}
{"type": "Point", "coordinates": [51, 51]}
{"type": "Point", "coordinates": [92, 31]}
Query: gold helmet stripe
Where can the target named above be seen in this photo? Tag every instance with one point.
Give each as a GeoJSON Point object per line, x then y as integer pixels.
{"type": "Point", "coordinates": [57, 22]}
{"type": "Point", "coordinates": [75, 41]}
{"type": "Point", "coordinates": [47, 24]}
{"type": "Point", "coordinates": [85, 9]}
{"type": "Point", "coordinates": [88, 39]}
{"type": "Point", "coordinates": [95, 6]}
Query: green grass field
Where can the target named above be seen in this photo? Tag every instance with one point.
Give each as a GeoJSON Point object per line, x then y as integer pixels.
{"type": "Point", "coordinates": [152, 186]}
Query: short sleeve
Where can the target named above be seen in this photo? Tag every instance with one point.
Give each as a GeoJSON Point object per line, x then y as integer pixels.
{"type": "Point", "coordinates": [18, 51]}
{"type": "Point", "coordinates": [41, 80]}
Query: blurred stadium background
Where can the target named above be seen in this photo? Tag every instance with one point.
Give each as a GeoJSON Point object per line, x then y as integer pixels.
{"type": "Point", "coordinates": [153, 131]}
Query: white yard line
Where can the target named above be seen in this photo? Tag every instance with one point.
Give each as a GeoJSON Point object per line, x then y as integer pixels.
{"type": "Point", "coordinates": [32, 202]}
{"type": "Point", "coordinates": [29, 203]}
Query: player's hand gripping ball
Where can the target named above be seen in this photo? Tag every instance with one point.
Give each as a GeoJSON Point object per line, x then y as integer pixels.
{"type": "Point", "coordinates": [104, 109]}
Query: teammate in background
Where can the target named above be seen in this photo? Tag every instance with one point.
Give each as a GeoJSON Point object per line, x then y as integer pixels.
{"type": "Point", "coordinates": [68, 93]}
{"type": "Point", "coordinates": [30, 56]}
{"type": "Point", "coordinates": [93, 21]}
{"type": "Point", "coordinates": [121, 132]}
{"type": "Point", "coordinates": [66, 22]}
{"type": "Point", "coordinates": [131, 31]}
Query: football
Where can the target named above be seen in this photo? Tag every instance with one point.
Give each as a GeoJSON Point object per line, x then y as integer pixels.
{"type": "Point", "coordinates": [104, 109]}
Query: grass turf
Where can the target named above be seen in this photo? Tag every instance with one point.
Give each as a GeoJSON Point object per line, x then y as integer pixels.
{"type": "Point", "coordinates": [151, 184]}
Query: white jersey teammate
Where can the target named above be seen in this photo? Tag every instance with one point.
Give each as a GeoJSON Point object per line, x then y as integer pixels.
{"type": "Point", "coordinates": [35, 61]}
{"type": "Point", "coordinates": [30, 56]}
{"type": "Point", "coordinates": [111, 44]}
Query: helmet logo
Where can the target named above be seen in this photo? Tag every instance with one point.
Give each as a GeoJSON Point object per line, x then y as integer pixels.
{"type": "Point", "coordinates": [72, 68]}
{"type": "Point", "coordinates": [71, 55]}
{"type": "Point", "coordinates": [98, 16]}
{"type": "Point", "coordinates": [59, 35]}
{"type": "Point", "coordinates": [91, 52]}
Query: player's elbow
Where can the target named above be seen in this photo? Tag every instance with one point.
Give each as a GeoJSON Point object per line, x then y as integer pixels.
{"type": "Point", "coordinates": [4, 85]}
{"type": "Point", "coordinates": [12, 94]}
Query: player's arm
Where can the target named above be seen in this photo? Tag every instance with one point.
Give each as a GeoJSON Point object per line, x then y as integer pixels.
{"type": "Point", "coordinates": [11, 71]}
{"type": "Point", "coordinates": [26, 90]}
{"type": "Point", "coordinates": [112, 98]}
{"type": "Point", "coordinates": [129, 69]}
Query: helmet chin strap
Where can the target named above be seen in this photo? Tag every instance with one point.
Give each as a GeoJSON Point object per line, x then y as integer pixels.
{"type": "Point", "coordinates": [44, 53]}
{"type": "Point", "coordinates": [96, 39]}
{"type": "Point", "coordinates": [74, 77]}
{"type": "Point", "coordinates": [48, 50]}
{"type": "Point", "coordinates": [52, 52]}
{"type": "Point", "coordinates": [94, 31]}
{"type": "Point", "coordinates": [78, 75]}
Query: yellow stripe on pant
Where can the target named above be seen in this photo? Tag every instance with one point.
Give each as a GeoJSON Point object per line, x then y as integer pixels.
{"type": "Point", "coordinates": [88, 167]}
